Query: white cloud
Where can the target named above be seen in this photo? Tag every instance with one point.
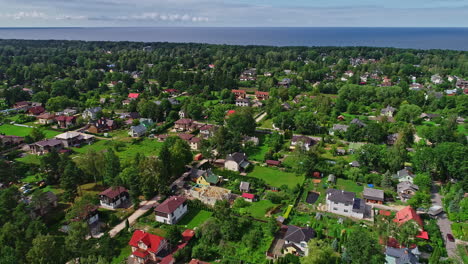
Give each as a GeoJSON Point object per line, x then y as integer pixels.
{"type": "Point", "coordinates": [24, 15]}
{"type": "Point", "coordinates": [154, 16]}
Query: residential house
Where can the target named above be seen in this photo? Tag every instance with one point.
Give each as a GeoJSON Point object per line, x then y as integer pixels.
{"type": "Point", "coordinates": [436, 79]}
{"type": "Point", "coordinates": [249, 75]}
{"type": "Point", "coordinates": [184, 124]}
{"type": "Point", "coordinates": [69, 111]}
{"type": "Point", "coordinates": [267, 74]}
{"type": "Point", "coordinates": [173, 101]}
{"type": "Point", "coordinates": [416, 87]}
{"type": "Point", "coordinates": [21, 105]}
{"type": "Point", "coordinates": [133, 96]}
{"type": "Point", "coordinates": [462, 84]}
{"type": "Point", "coordinates": [406, 190]}
{"type": "Point", "coordinates": [404, 175]}
{"type": "Point", "coordinates": [407, 214]}
{"type": "Point", "coordinates": [45, 118]}
{"type": "Point", "coordinates": [171, 91]}
{"type": "Point", "coordinates": [248, 197]}
{"type": "Point", "coordinates": [102, 125]}
{"type": "Point", "coordinates": [372, 195]}
{"type": "Point", "coordinates": [137, 131]}
{"type": "Point", "coordinates": [296, 239]}
{"type": "Point", "coordinates": [243, 102]}
{"type": "Point", "coordinates": [338, 128]}
{"type": "Point", "coordinates": [196, 261]}
{"type": "Point", "coordinates": [147, 122]}
{"type": "Point", "coordinates": [358, 122]}
{"type": "Point", "coordinates": [90, 215]}
{"type": "Point", "coordinates": [66, 121]}
{"type": "Point", "coordinates": [451, 92]}
{"type": "Point", "coordinates": [239, 93]}
{"type": "Point", "coordinates": [36, 110]}
{"type": "Point", "coordinates": [273, 163]}
{"type": "Point", "coordinates": [114, 197]}
{"type": "Point", "coordinates": [244, 186]}
{"type": "Point", "coordinates": [401, 255]}
{"type": "Point", "coordinates": [345, 203]}
{"type": "Point", "coordinates": [286, 106]}
{"type": "Point", "coordinates": [253, 141]}
{"type": "Point", "coordinates": [8, 141]}
{"type": "Point", "coordinates": [45, 146]}
{"type": "Point", "coordinates": [355, 164]}
{"type": "Point", "coordinates": [195, 143]}
{"type": "Point", "coordinates": [210, 194]}
{"type": "Point", "coordinates": [302, 141]}
{"type": "Point", "coordinates": [388, 111]}
{"type": "Point", "coordinates": [262, 95]}
{"type": "Point", "coordinates": [236, 162]}
{"type": "Point", "coordinates": [171, 210]}
{"type": "Point", "coordinates": [91, 113]}
{"type": "Point", "coordinates": [428, 117]}
{"type": "Point", "coordinates": [207, 131]}
{"type": "Point", "coordinates": [349, 73]}
{"type": "Point", "coordinates": [73, 139]}
{"type": "Point", "coordinates": [208, 178]}
{"type": "Point", "coordinates": [182, 114]}
{"type": "Point", "coordinates": [147, 248]}
{"type": "Point", "coordinates": [286, 82]}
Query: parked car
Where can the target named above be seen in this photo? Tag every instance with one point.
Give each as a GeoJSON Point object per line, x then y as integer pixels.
{"type": "Point", "coordinates": [450, 238]}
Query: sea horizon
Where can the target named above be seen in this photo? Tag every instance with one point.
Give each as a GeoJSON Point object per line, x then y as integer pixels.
{"type": "Point", "coordinates": [424, 38]}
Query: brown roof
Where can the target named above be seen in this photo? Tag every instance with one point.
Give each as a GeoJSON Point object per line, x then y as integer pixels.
{"type": "Point", "coordinates": [273, 162]}
{"type": "Point", "coordinates": [184, 121]}
{"type": "Point", "coordinates": [170, 204]}
{"type": "Point", "coordinates": [185, 136]}
{"type": "Point", "coordinates": [45, 116]}
{"type": "Point", "coordinates": [113, 192]}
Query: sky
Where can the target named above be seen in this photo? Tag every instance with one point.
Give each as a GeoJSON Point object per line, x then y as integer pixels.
{"type": "Point", "coordinates": [234, 13]}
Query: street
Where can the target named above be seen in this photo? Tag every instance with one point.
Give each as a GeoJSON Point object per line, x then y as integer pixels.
{"type": "Point", "coordinates": [444, 224]}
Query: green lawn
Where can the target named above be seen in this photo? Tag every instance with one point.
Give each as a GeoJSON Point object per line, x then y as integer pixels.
{"type": "Point", "coordinates": [266, 123]}
{"type": "Point", "coordinates": [194, 218]}
{"type": "Point", "coordinates": [12, 130]}
{"type": "Point", "coordinates": [258, 209]}
{"type": "Point", "coordinates": [349, 186]}
{"type": "Point", "coordinates": [30, 159]}
{"type": "Point", "coordinates": [128, 150]}
{"type": "Point", "coordinates": [462, 129]}
{"type": "Point", "coordinates": [276, 177]}
{"type": "Point", "coordinates": [257, 153]}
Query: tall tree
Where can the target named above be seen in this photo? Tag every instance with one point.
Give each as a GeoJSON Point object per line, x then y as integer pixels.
{"type": "Point", "coordinates": [111, 167]}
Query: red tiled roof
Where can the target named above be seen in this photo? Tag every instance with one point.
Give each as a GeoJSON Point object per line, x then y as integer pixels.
{"type": "Point", "coordinates": [140, 254]}
{"type": "Point", "coordinates": [113, 192]}
{"type": "Point", "coordinates": [238, 91]}
{"type": "Point", "coordinates": [248, 195]}
{"type": "Point", "coordinates": [262, 93]}
{"type": "Point", "coordinates": [406, 214]}
{"type": "Point", "coordinates": [184, 121]}
{"type": "Point", "coordinates": [45, 116]}
{"type": "Point", "coordinates": [65, 118]}
{"type": "Point", "coordinates": [36, 110]}
{"type": "Point", "coordinates": [273, 162]}
{"type": "Point", "coordinates": [386, 213]}
{"type": "Point", "coordinates": [150, 240]}
{"type": "Point", "coordinates": [230, 112]}
{"type": "Point", "coordinates": [170, 90]}
{"type": "Point", "coordinates": [167, 259]}
{"type": "Point", "coordinates": [170, 204]}
{"type": "Point", "coordinates": [423, 234]}
{"type": "Point", "coordinates": [187, 235]}
{"type": "Point", "coordinates": [133, 95]}
{"type": "Point", "coordinates": [185, 136]}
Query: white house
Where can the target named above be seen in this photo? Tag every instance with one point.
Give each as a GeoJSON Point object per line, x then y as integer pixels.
{"type": "Point", "coordinates": [302, 141]}
{"type": "Point", "coordinates": [405, 175]}
{"type": "Point", "coordinates": [113, 197]}
{"type": "Point", "coordinates": [243, 102]}
{"type": "Point", "coordinates": [236, 162]}
{"type": "Point", "coordinates": [296, 238]}
{"type": "Point", "coordinates": [345, 203]}
{"type": "Point", "coordinates": [171, 210]}
{"type": "Point", "coordinates": [137, 131]}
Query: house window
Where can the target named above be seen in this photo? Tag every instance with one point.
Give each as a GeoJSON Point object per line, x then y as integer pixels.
{"type": "Point", "coordinates": [345, 211]}
{"type": "Point", "coordinates": [335, 209]}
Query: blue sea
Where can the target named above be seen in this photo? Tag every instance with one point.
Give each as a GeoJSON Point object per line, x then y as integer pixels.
{"type": "Point", "coordinates": [416, 38]}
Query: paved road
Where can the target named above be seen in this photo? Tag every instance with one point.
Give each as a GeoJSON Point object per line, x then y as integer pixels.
{"type": "Point", "coordinates": [260, 117]}
{"type": "Point", "coordinates": [144, 207]}
{"type": "Point", "coordinates": [444, 224]}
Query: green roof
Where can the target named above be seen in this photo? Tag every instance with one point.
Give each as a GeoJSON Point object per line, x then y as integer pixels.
{"type": "Point", "coordinates": [211, 178]}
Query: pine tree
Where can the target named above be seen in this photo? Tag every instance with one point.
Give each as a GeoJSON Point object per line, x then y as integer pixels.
{"type": "Point", "coordinates": [111, 167]}
{"type": "Point", "coordinates": [69, 181]}
{"type": "Point", "coordinates": [387, 180]}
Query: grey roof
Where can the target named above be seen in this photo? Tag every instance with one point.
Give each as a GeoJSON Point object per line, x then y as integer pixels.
{"type": "Point", "coordinates": [388, 109]}
{"type": "Point", "coordinates": [358, 122]}
{"type": "Point", "coordinates": [244, 185]}
{"type": "Point", "coordinates": [406, 185]}
{"type": "Point", "coordinates": [298, 234]}
{"type": "Point", "coordinates": [138, 129]}
{"type": "Point", "coordinates": [340, 196]}
{"type": "Point", "coordinates": [401, 255]}
{"type": "Point", "coordinates": [304, 139]}
{"type": "Point", "coordinates": [237, 157]}
{"type": "Point", "coordinates": [355, 163]}
{"type": "Point", "coordinates": [173, 101]}
{"type": "Point", "coordinates": [339, 127]}
{"type": "Point", "coordinates": [94, 109]}
{"type": "Point", "coordinates": [404, 172]}
{"type": "Point", "coordinates": [195, 173]}
{"type": "Point", "coordinates": [373, 194]}
{"type": "Point", "coordinates": [49, 142]}
{"type": "Point", "coordinates": [243, 100]}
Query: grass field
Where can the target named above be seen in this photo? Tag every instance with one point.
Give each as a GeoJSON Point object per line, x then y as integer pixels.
{"type": "Point", "coordinates": [128, 150]}
{"type": "Point", "coordinates": [258, 209]}
{"type": "Point", "coordinates": [194, 218]}
{"type": "Point", "coordinates": [30, 159]}
{"type": "Point", "coordinates": [275, 177]}
{"type": "Point", "coordinates": [349, 186]}
{"type": "Point", "coordinates": [267, 123]}
{"type": "Point", "coordinates": [11, 130]}
{"type": "Point", "coordinates": [257, 153]}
